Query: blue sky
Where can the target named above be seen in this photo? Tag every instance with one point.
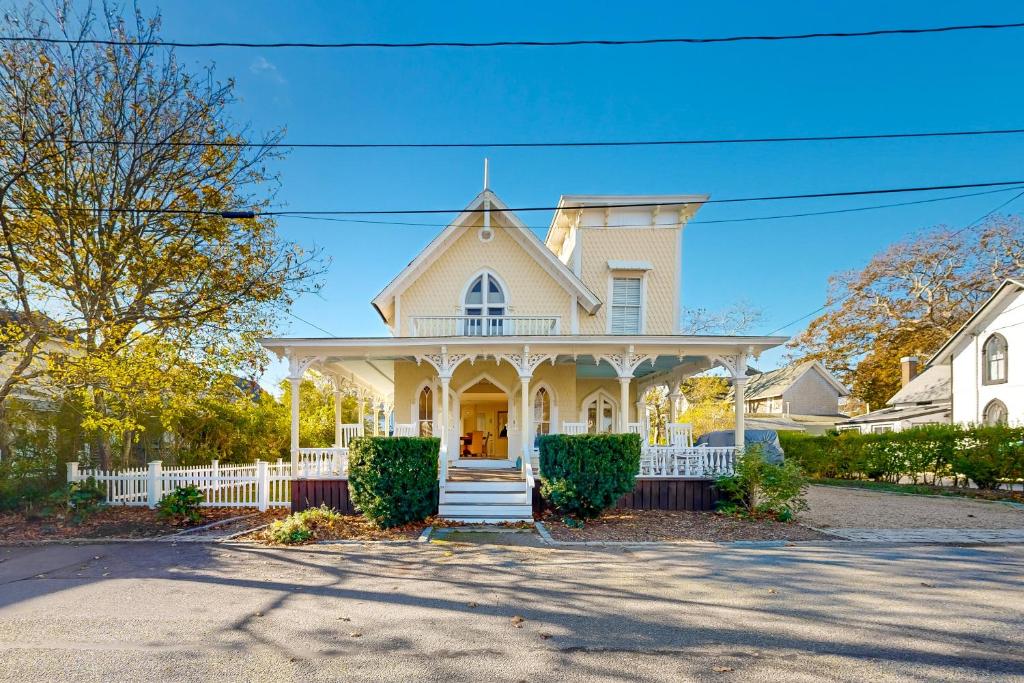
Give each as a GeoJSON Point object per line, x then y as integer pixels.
{"type": "Point", "coordinates": [936, 82]}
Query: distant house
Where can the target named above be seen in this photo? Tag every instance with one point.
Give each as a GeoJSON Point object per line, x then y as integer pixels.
{"type": "Point", "coordinates": [923, 399]}
{"type": "Point", "coordinates": [802, 397]}
{"type": "Point", "coordinates": [986, 379]}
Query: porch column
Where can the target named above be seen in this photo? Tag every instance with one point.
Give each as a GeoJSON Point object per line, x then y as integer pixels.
{"type": "Point", "coordinates": [624, 404]}
{"type": "Point", "coordinates": [443, 469]}
{"type": "Point", "coordinates": [337, 418]}
{"type": "Point", "coordinates": [296, 382]}
{"type": "Point", "coordinates": [527, 417]}
{"type": "Point", "coordinates": [673, 404]}
{"type": "Point", "coordinates": [739, 392]}
{"type": "Point", "coordinates": [362, 410]}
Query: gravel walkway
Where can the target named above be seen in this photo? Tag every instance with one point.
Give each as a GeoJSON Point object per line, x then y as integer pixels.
{"type": "Point", "coordinates": [832, 506]}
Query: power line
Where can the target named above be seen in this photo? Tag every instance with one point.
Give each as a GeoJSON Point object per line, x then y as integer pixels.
{"type": "Point", "coordinates": [716, 221]}
{"type": "Point", "coordinates": [841, 299]}
{"type": "Point", "coordinates": [516, 43]}
{"type": "Point", "coordinates": [521, 145]}
{"type": "Point", "coordinates": [524, 209]}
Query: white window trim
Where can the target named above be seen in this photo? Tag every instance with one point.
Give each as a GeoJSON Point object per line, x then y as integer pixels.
{"type": "Point", "coordinates": [632, 274]}
{"type": "Point", "coordinates": [554, 404]}
{"type": "Point", "coordinates": [414, 412]}
{"type": "Point", "coordinates": [489, 272]}
{"type": "Point", "coordinates": [600, 393]}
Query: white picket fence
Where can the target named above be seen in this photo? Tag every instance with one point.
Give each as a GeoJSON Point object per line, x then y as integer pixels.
{"type": "Point", "coordinates": [261, 485]}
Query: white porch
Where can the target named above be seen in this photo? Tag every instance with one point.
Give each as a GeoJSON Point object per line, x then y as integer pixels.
{"type": "Point", "coordinates": [591, 384]}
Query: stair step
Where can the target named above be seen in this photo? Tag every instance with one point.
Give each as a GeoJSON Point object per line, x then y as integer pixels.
{"type": "Point", "coordinates": [515, 497]}
{"type": "Point", "coordinates": [479, 519]}
{"type": "Point", "coordinates": [467, 510]}
{"type": "Point", "coordinates": [495, 486]}
{"type": "Point", "coordinates": [485, 464]}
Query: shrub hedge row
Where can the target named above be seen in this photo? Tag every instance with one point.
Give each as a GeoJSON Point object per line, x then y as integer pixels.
{"type": "Point", "coordinates": [393, 481]}
{"type": "Point", "coordinates": [986, 455]}
{"type": "Point", "coordinates": [583, 474]}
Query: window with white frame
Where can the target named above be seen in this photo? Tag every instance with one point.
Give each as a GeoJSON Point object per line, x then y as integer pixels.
{"type": "Point", "coordinates": [626, 304]}
{"type": "Point", "coordinates": [881, 429]}
{"type": "Point", "coordinates": [601, 414]}
{"type": "Point", "coordinates": [993, 360]}
{"type": "Point", "coordinates": [542, 411]}
{"type": "Point", "coordinates": [425, 419]}
{"type": "Point", "coordinates": [484, 300]}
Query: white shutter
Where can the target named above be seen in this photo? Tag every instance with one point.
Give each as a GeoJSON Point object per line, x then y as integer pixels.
{"type": "Point", "coordinates": [625, 309]}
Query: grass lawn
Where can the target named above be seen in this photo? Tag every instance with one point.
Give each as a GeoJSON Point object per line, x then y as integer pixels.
{"type": "Point", "coordinates": [922, 489]}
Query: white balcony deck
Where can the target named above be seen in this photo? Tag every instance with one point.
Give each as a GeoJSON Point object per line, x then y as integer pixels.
{"type": "Point", "coordinates": [485, 325]}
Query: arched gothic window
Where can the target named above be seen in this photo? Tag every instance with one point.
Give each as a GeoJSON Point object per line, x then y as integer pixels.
{"type": "Point", "coordinates": [993, 360]}
{"type": "Point", "coordinates": [484, 306]}
{"type": "Point", "coordinates": [425, 418]}
{"type": "Point", "coordinates": [995, 413]}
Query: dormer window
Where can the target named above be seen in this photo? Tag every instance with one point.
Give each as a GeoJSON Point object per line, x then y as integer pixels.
{"type": "Point", "coordinates": [993, 360]}
{"type": "Point", "coordinates": [484, 306]}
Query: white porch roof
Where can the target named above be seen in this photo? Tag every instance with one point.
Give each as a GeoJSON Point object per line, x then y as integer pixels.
{"type": "Point", "coordinates": [370, 361]}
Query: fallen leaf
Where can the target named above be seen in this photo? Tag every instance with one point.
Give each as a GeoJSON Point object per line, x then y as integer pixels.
{"type": "Point", "coordinates": [345, 618]}
{"type": "Point", "coordinates": [772, 591]}
{"type": "Point", "coordinates": [928, 585]}
{"type": "Point", "coordinates": [258, 614]}
{"type": "Point", "coordinates": [470, 604]}
{"type": "Point", "coordinates": [723, 669]}
{"type": "Point", "coordinates": [448, 553]}
{"type": "Point", "coordinates": [545, 636]}
{"type": "Point", "coordinates": [517, 621]}
{"type": "Point", "coordinates": [356, 634]}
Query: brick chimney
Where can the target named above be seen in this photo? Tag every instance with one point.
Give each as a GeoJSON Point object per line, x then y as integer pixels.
{"type": "Point", "coordinates": [908, 369]}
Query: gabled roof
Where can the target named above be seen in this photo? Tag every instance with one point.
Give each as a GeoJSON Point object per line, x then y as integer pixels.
{"type": "Point", "coordinates": [776, 382]}
{"type": "Point", "coordinates": [898, 413]}
{"type": "Point", "coordinates": [931, 386]}
{"type": "Point", "coordinates": [1008, 288]}
{"type": "Point", "coordinates": [384, 302]}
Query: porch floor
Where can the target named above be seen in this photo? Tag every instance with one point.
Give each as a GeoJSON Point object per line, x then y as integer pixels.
{"type": "Point", "coordinates": [481, 474]}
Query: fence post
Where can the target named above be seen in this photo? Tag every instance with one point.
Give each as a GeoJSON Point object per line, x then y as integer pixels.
{"type": "Point", "coordinates": [262, 485]}
{"type": "Point", "coordinates": [154, 484]}
{"type": "Point", "coordinates": [72, 472]}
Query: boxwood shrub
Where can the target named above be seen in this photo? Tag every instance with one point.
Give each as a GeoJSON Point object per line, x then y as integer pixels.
{"type": "Point", "coordinates": [393, 480]}
{"type": "Point", "coordinates": [584, 474]}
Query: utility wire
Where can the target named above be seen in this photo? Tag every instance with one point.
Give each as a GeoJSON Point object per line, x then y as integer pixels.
{"type": "Point", "coordinates": [521, 145]}
{"type": "Point", "coordinates": [841, 299]}
{"type": "Point", "coordinates": [716, 221]}
{"type": "Point", "coordinates": [518, 43]}
{"type": "Point", "coordinates": [681, 204]}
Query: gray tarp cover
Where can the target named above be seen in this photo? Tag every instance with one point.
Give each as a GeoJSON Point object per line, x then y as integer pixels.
{"type": "Point", "coordinates": [766, 438]}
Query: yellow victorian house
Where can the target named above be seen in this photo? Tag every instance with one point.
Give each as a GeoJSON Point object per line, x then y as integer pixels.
{"type": "Point", "coordinates": [497, 337]}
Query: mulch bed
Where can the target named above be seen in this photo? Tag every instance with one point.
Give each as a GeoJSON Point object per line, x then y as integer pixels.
{"type": "Point", "coordinates": [110, 522]}
{"type": "Point", "coordinates": [353, 528]}
{"type": "Point", "coordinates": [665, 525]}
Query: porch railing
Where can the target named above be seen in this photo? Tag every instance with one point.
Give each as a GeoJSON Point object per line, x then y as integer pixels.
{"type": "Point", "coordinates": [323, 463]}
{"type": "Point", "coordinates": [693, 461]}
{"type": "Point", "coordinates": [485, 325]}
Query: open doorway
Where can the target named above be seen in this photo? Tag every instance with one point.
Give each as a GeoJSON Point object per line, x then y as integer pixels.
{"type": "Point", "coordinates": [483, 433]}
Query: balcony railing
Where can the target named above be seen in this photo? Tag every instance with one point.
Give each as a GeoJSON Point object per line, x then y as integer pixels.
{"type": "Point", "coordinates": [484, 325]}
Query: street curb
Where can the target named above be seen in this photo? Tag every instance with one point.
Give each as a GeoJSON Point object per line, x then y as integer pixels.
{"type": "Point", "coordinates": [425, 535]}
{"type": "Point", "coordinates": [204, 527]}
{"type": "Point", "coordinates": [543, 532]}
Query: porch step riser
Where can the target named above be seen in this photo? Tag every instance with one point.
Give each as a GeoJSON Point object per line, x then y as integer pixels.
{"type": "Point", "coordinates": [478, 510]}
{"type": "Point", "coordinates": [486, 497]}
{"type": "Point", "coordinates": [484, 464]}
{"type": "Point", "coordinates": [489, 520]}
{"type": "Point", "coordinates": [490, 486]}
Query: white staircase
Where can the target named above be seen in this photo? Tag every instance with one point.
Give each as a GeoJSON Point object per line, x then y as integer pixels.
{"type": "Point", "coordinates": [486, 497]}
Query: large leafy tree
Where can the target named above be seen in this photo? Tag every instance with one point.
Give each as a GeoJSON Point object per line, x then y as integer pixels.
{"type": "Point", "coordinates": [113, 236]}
{"type": "Point", "coordinates": [908, 300]}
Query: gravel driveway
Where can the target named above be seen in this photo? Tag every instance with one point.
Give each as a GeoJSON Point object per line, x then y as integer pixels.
{"type": "Point", "coordinates": [833, 506]}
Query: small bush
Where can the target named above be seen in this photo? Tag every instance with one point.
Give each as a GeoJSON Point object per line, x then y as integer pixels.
{"type": "Point", "coordinates": [762, 488]}
{"type": "Point", "coordinates": [393, 480]}
{"type": "Point", "coordinates": [77, 501]}
{"type": "Point", "coordinates": [302, 527]}
{"type": "Point", "coordinates": [584, 474]}
{"type": "Point", "coordinates": [181, 504]}
{"type": "Point", "coordinates": [989, 455]}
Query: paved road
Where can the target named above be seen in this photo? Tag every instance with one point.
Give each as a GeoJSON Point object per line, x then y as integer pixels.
{"type": "Point", "coordinates": [206, 612]}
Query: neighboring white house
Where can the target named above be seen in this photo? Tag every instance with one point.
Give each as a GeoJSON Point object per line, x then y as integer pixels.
{"type": "Point", "coordinates": [987, 379]}
{"type": "Point", "coordinates": [924, 399]}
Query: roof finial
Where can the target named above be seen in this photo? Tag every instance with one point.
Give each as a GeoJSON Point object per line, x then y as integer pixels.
{"type": "Point", "coordinates": [487, 184]}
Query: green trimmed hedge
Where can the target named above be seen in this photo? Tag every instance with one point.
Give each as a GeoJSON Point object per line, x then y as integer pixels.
{"type": "Point", "coordinates": [985, 455]}
{"type": "Point", "coordinates": [393, 480]}
{"type": "Point", "coordinates": [584, 474]}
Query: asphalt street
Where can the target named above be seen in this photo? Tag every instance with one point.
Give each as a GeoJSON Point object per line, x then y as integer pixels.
{"type": "Point", "coordinates": [196, 611]}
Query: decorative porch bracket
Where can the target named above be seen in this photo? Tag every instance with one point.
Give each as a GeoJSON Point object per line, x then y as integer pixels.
{"type": "Point", "coordinates": [736, 365]}
{"type": "Point", "coordinates": [445, 363]}
{"type": "Point", "coordinates": [525, 363]}
{"type": "Point", "coordinates": [625, 364]}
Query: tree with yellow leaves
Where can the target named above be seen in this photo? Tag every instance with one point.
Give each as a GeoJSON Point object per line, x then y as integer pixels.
{"type": "Point", "coordinates": [908, 300]}
{"type": "Point", "coordinates": [117, 165]}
